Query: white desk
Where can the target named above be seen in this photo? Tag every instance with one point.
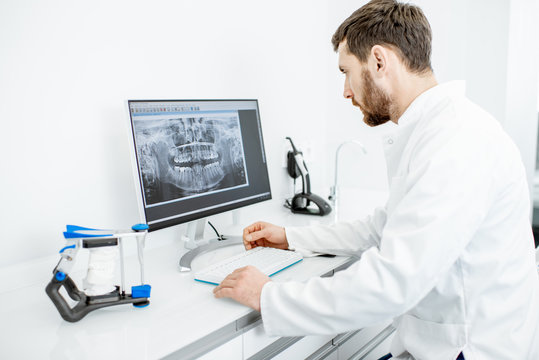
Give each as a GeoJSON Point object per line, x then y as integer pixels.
{"type": "Point", "coordinates": [183, 319]}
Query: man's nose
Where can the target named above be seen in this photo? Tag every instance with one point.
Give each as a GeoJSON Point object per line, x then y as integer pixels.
{"type": "Point", "coordinates": [348, 94]}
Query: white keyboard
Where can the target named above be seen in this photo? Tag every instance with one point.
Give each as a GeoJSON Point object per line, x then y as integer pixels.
{"type": "Point", "coordinates": [268, 260]}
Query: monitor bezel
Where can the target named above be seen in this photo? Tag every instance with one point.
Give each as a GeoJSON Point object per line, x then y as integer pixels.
{"type": "Point", "coordinates": [199, 215]}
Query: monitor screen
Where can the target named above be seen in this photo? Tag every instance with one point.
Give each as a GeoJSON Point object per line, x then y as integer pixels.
{"type": "Point", "coordinates": [196, 158]}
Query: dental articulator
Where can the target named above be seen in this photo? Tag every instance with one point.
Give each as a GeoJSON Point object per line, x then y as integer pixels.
{"type": "Point", "coordinates": [99, 291]}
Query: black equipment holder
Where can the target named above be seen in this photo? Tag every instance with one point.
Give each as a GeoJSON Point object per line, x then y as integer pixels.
{"type": "Point", "coordinates": [85, 303]}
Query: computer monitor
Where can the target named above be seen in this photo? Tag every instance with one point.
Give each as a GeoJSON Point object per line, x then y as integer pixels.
{"type": "Point", "coordinates": [196, 158]}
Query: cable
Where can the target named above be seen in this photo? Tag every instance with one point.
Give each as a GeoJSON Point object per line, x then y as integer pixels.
{"type": "Point", "coordinates": [287, 204]}
{"type": "Point", "coordinates": [219, 237]}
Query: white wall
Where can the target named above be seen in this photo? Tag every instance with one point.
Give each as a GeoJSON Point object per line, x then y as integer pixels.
{"type": "Point", "coordinates": [492, 45]}
{"type": "Point", "coordinates": [520, 119]}
{"type": "Point", "coordinates": [345, 121]}
{"type": "Point", "coordinates": [66, 68]}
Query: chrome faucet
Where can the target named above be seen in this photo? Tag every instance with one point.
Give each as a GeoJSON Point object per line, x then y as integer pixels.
{"type": "Point", "coordinates": [333, 190]}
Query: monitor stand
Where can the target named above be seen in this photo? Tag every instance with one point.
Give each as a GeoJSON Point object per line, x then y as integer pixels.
{"type": "Point", "coordinates": [194, 240]}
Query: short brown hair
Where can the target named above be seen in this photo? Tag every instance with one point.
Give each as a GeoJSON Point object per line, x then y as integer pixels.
{"type": "Point", "coordinates": [387, 22]}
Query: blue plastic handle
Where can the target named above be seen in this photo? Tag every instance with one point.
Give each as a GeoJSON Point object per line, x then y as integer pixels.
{"type": "Point", "coordinates": [71, 228]}
{"type": "Point", "coordinates": [68, 247]}
{"type": "Point", "coordinates": [76, 235]}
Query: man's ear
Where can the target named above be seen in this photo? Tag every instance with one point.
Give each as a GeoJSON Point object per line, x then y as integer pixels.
{"type": "Point", "coordinates": [379, 57]}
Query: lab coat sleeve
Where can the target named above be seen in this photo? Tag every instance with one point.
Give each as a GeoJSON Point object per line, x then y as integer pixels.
{"type": "Point", "coordinates": [432, 213]}
{"type": "Point", "coordinates": [353, 237]}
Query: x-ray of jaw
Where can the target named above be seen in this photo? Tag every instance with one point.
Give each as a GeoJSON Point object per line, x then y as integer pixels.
{"type": "Point", "coordinates": [182, 157]}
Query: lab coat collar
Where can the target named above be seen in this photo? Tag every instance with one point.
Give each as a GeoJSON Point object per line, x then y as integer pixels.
{"type": "Point", "coordinates": [430, 98]}
{"type": "Point", "coordinates": [395, 141]}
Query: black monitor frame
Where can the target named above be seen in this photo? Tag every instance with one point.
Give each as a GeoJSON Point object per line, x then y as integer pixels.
{"type": "Point", "coordinates": [194, 215]}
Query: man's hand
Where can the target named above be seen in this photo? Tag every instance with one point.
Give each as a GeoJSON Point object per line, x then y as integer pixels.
{"type": "Point", "coordinates": [264, 234]}
{"type": "Point", "coordinates": [244, 285]}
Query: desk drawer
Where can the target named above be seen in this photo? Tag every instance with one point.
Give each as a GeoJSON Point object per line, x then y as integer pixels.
{"type": "Point", "coordinates": [255, 340]}
{"type": "Point", "coordinates": [230, 350]}
{"type": "Point", "coordinates": [306, 347]}
{"type": "Point", "coordinates": [360, 341]}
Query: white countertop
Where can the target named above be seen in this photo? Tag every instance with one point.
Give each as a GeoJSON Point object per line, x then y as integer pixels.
{"type": "Point", "coordinates": [181, 311]}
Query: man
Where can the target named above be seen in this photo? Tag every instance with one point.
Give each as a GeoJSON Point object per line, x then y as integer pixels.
{"type": "Point", "coordinates": [450, 257]}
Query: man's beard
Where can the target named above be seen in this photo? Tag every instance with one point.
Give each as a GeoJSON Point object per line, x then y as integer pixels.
{"type": "Point", "coordinates": [376, 106]}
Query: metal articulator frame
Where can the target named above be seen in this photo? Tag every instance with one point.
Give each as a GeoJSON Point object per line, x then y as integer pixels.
{"type": "Point", "coordinates": [85, 303]}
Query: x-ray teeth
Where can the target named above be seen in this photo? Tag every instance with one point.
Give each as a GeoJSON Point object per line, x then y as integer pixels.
{"type": "Point", "coordinates": [182, 157]}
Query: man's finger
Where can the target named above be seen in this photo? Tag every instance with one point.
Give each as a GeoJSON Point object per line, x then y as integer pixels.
{"type": "Point", "coordinates": [253, 227]}
{"type": "Point", "coordinates": [246, 244]}
{"type": "Point", "coordinates": [247, 237]}
{"type": "Point", "coordinates": [257, 235]}
{"type": "Point", "coordinates": [224, 292]}
{"type": "Point", "coordinates": [226, 283]}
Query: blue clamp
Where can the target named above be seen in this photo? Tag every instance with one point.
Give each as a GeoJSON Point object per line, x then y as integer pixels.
{"type": "Point", "coordinates": [141, 291]}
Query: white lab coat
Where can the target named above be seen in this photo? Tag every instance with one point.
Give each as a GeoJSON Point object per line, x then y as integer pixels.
{"type": "Point", "coordinates": [450, 258]}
